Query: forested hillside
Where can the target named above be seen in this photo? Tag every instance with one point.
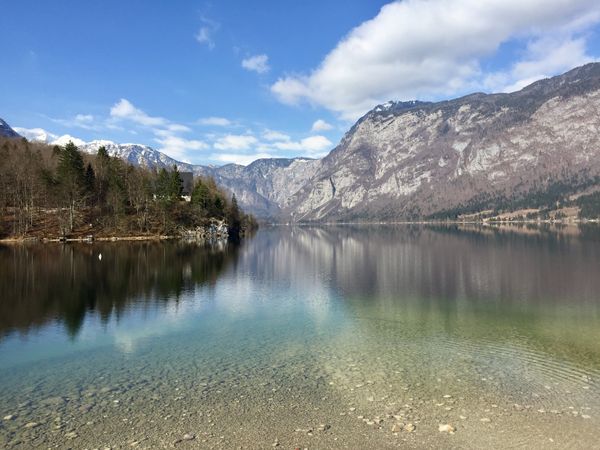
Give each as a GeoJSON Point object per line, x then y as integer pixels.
{"type": "Point", "coordinates": [51, 191]}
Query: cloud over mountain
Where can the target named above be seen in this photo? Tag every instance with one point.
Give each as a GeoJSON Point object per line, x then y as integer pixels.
{"type": "Point", "coordinates": [428, 48]}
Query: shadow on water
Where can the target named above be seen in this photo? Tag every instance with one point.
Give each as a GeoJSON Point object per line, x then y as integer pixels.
{"type": "Point", "coordinates": [66, 283]}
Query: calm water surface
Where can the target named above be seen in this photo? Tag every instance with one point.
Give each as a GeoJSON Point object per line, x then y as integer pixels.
{"type": "Point", "coordinates": [328, 337]}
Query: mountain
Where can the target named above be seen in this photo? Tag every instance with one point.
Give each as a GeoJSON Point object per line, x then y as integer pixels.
{"type": "Point", "coordinates": [7, 131]}
{"type": "Point", "coordinates": [409, 160]}
{"type": "Point", "coordinates": [265, 186]}
{"type": "Point", "coordinates": [136, 154]}
{"type": "Point", "coordinates": [36, 134]}
{"type": "Point", "coordinates": [425, 160]}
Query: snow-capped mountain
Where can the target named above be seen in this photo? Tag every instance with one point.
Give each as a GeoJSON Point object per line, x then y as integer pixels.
{"type": "Point", "coordinates": [423, 159]}
{"type": "Point", "coordinates": [36, 134]}
{"type": "Point", "coordinates": [65, 139]}
{"type": "Point", "coordinates": [136, 154]}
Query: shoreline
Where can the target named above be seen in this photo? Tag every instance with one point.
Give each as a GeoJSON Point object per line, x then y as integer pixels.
{"type": "Point", "coordinates": [447, 222]}
{"type": "Point", "coordinates": [43, 240]}
{"type": "Point", "coordinates": [163, 237]}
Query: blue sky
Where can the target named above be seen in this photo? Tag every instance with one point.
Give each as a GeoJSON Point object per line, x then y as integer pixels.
{"type": "Point", "coordinates": [231, 81]}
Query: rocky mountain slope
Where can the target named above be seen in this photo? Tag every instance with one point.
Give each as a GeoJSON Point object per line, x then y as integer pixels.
{"type": "Point", "coordinates": [136, 154]}
{"type": "Point", "coordinates": [408, 160]}
{"type": "Point", "coordinates": [7, 131]}
{"type": "Point", "coordinates": [420, 160]}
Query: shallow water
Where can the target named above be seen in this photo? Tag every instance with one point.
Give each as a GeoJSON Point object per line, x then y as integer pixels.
{"type": "Point", "coordinates": [305, 337]}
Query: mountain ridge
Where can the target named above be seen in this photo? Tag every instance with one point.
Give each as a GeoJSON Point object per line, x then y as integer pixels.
{"type": "Point", "coordinates": [406, 160]}
{"type": "Point", "coordinates": [7, 131]}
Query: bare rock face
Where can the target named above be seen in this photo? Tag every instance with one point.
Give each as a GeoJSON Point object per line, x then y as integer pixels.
{"type": "Point", "coordinates": [136, 154]}
{"type": "Point", "coordinates": [420, 160]}
{"type": "Point", "coordinates": [415, 160]}
{"type": "Point", "coordinates": [7, 131]}
{"type": "Point", "coordinates": [265, 187]}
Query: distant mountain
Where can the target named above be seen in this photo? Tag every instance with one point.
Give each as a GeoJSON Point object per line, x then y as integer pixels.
{"type": "Point", "coordinates": [266, 186]}
{"type": "Point", "coordinates": [408, 160]}
{"type": "Point", "coordinates": [136, 154]}
{"type": "Point", "coordinates": [7, 131]}
{"type": "Point", "coordinates": [36, 134]}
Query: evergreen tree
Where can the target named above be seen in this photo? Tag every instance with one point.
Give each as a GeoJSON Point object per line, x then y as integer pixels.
{"type": "Point", "coordinates": [102, 165]}
{"type": "Point", "coordinates": [163, 183]}
{"type": "Point", "coordinates": [234, 217]}
{"type": "Point", "coordinates": [218, 206]}
{"type": "Point", "coordinates": [169, 185]}
{"type": "Point", "coordinates": [176, 184]}
{"type": "Point", "coordinates": [201, 195]}
{"type": "Point", "coordinates": [71, 178]}
{"type": "Point", "coordinates": [89, 179]}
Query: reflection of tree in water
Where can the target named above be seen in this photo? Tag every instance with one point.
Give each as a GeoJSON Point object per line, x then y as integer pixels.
{"type": "Point", "coordinates": [41, 283]}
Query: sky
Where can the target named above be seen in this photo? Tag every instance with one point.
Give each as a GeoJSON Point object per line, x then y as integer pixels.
{"type": "Point", "coordinates": [215, 82]}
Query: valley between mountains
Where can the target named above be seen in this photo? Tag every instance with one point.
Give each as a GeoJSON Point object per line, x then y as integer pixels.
{"type": "Point", "coordinates": [535, 151]}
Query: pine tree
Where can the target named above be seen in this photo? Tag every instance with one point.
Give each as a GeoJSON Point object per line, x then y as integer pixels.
{"type": "Point", "coordinates": [234, 217]}
{"type": "Point", "coordinates": [89, 180]}
{"type": "Point", "coordinates": [71, 178]}
{"type": "Point", "coordinates": [201, 195]}
{"type": "Point", "coordinates": [102, 165]}
{"type": "Point", "coordinates": [163, 182]}
{"type": "Point", "coordinates": [175, 185]}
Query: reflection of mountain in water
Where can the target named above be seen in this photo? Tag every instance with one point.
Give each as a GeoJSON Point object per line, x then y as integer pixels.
{"type": "Point", "coordinates": [434, 263]}
{"type": "Point", "coordinates": [42, 283]}
{"type": "Point", "coordinates": [525, 288]}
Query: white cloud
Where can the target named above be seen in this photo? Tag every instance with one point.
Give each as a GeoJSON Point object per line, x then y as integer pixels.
{"type": "Point", "coordinates": [432, 48]}
{"type": "Point", "coordinates": [235, 142]}
{"type": "Point", "coordinates": [271, 135]}
{"type": "Point", "coordinates": [257, 63]}
{"type": "Point", "coordinates": [84, 121]}
{"type": "Point", "coordinates": [321, 125]}
{"type": "Point", "coordinates": [215, 121]}
{"type": "Point", "coordinates": [313, 146]}
{"type": "Point", "coordinates": [124, 109]}
{"type": "Point", "coordinates": [166, 132]}
{"type": "Point", "coordinates": [205, 34]}
{"type": "Point", "coordinates": [316, 143]}
{"type": "Point", "coordinates": [36, 134]}
{"type": "Point", "coordinates": [177, 128]}
{"type": "Point", "coordinates": [543, 57]}
{"type": "Point", "coordinates": [238, 158]}
{"type": "Point", "coordinates": [177, 147]}
{"type": "Point", "coordinates": [65, 139]}
{"type": "Point", "coordinates": [84, 118]}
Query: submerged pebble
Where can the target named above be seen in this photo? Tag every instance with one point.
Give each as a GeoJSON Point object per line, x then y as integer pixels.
{"type": "Point", "coordinates": [410, 427]}
{"type": "Point", "coordinates": [446, 428]}
{"type": "Point", "coordinates": [397, 427]}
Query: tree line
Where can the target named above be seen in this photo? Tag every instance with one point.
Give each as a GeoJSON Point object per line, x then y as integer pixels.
{"type": "Point", "coordinates": [48, 190]}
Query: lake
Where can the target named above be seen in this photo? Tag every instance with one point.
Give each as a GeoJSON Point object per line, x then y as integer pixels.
{"type": "Point", "coordinates": [309, 337]}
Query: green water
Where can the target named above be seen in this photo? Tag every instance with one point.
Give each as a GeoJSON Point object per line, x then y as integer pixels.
{"type": "Point", "coordinates": [311, 337]}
